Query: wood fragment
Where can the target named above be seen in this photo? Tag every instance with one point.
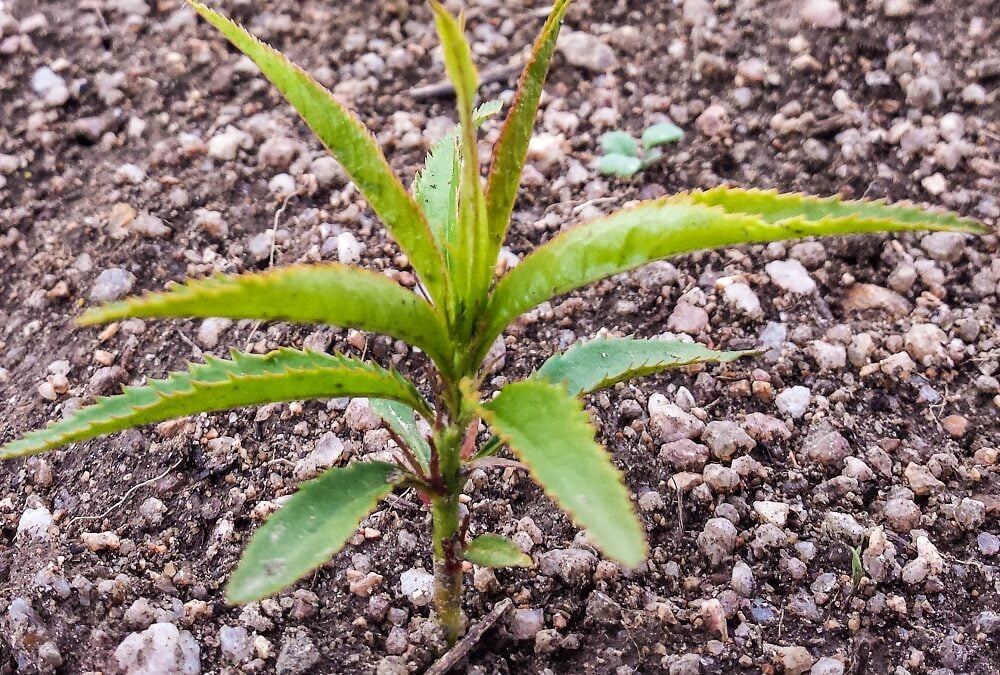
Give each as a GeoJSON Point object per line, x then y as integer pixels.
{"type": "Point", "coordinates": [462, 648]}
{"type": "Point", "coordinates": [446, 88]}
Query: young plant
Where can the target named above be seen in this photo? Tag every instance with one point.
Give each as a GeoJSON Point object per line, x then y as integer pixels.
{"type": "Point", "coordinates": [451, 230]}
{"type": "Point", "coordinates": [622, 156]}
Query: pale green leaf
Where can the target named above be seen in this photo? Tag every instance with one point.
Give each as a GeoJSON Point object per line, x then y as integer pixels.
{"type": "Point", "coordinates": [511, 148]}
{"type": "Point", "coordinates": [614, 164]}
{"type": "Point", "coordinates": [312, 526]}
{"type": "Point", "coordinates": [492, 550]}
{"type": "Point", "coordinates": [689, 222]}
{"type": "Point", "coordinates": [436, 186]}
{"type": "Point", "coordinates": [660, 134]}
{"type": "Point", "coordinates": [589, 366]}
{"type": "Point", "coordinates": [247, 380]}
{"type": "Point", "coordinates": [352, 144]}
{"type": "Point", "coordinates": [486, 110]}
{"type": "Point", "coordinates": [619, 143]}
{"type": "Point", "coordinates": [329, 293]}
{"type": "Point", "coordinates": [473, 271]}
{"type": "Point", "coordinates": [401, 418]}
{"type": "Point", "coordinates": [550, 433]}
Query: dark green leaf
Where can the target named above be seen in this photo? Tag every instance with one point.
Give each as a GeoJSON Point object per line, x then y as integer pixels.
{"type": "Point", "coordinates": [402, 419]}
{"type": "Point", "coordinates": [352, 144]}
{"type": "Point", "coordinates": [283, 375]}
{"type": "Point", "coordinates": [313, 525]}
{"type": "Point", "coordinates": [589, 366]}
{"type": "Point", "coordinates": [329, 293]}
{"type": "Point", "coordinates": [550, 433]}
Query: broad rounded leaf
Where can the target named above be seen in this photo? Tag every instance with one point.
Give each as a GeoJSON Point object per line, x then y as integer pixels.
{"type": "Point", "coordinates": [492, 550]}
{"type": "Point", "coordinates": [619, 143]}
{"type": "Point", "coordinates": [551, 434]}
{"type": "Point", "coordinates": [313, 525]}
{"type": "Point", "coordinates": [688, 222]}
{"type": "Point", "coordinates": [614, 164]}
{"type": "Point", "coordinates": [330, 293]}
{"type": "Point", "coordinates": [594, 365]}
{"type": "Point", "coordinates": [282, 375]}
{"type": "Point", "coordinates": [351, 143]}
{"type": "Point", "coordinates": [661, 133]}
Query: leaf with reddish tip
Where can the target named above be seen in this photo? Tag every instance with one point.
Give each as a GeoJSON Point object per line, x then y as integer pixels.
{"type": "Point", "coordinates": [352, 144]}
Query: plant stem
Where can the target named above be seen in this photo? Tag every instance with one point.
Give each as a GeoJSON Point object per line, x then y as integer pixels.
{"type": "Point", "coordinates": [447, 567]}
{"type": "Point", "coordinates": [447, 536]}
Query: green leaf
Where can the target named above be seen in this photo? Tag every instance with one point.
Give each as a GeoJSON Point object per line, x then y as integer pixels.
{"type": "Point", "coordinates": [486, 110]}
{"type": "Point", "coordinates": [330, 293]}
{"type": "Point", "coordinates": [619, 143]}
{"type": "Point", "coordinates": [352, 144]}
{"type": "Point", "coordinates": [614, 164]}
{"type": "Point", "coordinates": [551, 434]}
{"type": "Point", "coordinates": [282, 375]}
{"type": "Point", "coordinates": [473, 270]}
{"type": "Point", "coordinates": [684, 223]}
{"type": "Point", "coordinates": [492, 550]}
{"type": "Point", "coordinates": [401, 418]}
{"type": "Point", "coordinates": [313, 525]}
{"type": "Point", "coordinates": [436, 186]}
{"type": "Point", "coordinates": [660, 134]}
{"type": "Point", "coordinates": [589, 366]}
{"type": "Point", "coordinates": [511, 148]}
{"type": "Point", "coordinates": [832, 215]}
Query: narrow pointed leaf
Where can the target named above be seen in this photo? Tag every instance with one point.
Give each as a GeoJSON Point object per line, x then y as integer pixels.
{"type": "Point", "coordinates": [689, 222]}
{"type": "Point", "coordinates": [551, 434]}
{"type": "Point", "coordinates": [351, 143]}
{"type": "Point", "coordinates": [313, 525]}
{"type": "Point", "coordinates": [589, 366]}
{"type": "Point", "coordinates": [331, 293]}
{"type": "Point", "coordinates": [436, 186]}
{"type": "Point", "coordinates": [401, 418]}
{"type": "Point", "coordinates": [492, 550]}
{"type": "Point", "coordinates": [473, 270]}
{"type": "Point", "coordinates": [217, 384]}
{"type": "Point", "coordinates": [512, 147]}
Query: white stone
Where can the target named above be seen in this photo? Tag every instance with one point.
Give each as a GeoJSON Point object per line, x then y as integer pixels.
{"type": "Point", "coordinates": [224, 146]}
{"type": "Point", "coordinates": [587, 51]}
{"type": "Point", "coordinates": [50, 86]}
{"type": "Point", "coordinates": [793, 401]}
{"type": "Point", "coordinates": [822, 13]}
{"type": "Point", "coordinates": [742, 298]}
{"type": "Point", "coordinates": [417, 585]}
{"type": "Point", "coordinates": [790, 276]}
{"type": "Point", "coordinates": [112, 284]}
{"type": "Point", "coordinates": [349, 249]}
{"type": "Point", "coordinates": [775, 513]}
{"type": "Point", "coordinates": [34, 523]}
{"type": "Point", "coordinates": [161, 649]}
{"type": "Point", "coordinates": [211, 330]}
{"type": "Point", "coordinates": [328, 451]}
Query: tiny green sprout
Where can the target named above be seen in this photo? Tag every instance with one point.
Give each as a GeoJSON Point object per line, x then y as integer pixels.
{"type": "Point", "coordinates": [857, 569]}
{"type": "Point", "coordinates": [451, 227]}
{"type": "Point", "coordinates": [622, 156]}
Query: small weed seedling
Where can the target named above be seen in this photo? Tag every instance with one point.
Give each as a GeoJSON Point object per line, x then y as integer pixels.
{"type": "Point", "coordinates": [622, 156]}
{"type": "Point", "coordinates": [451, 229]}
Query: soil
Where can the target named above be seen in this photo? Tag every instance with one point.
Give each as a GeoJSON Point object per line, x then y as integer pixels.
{"type": "Point", "coordinates": [866, 107]}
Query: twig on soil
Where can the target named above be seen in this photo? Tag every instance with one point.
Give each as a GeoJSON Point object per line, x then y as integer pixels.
{"type": "Point", "coordinates": [462, 648]}
{"type": "Point", "coordinates": [270, 257]}
{"type": "Point", "coordinates": [448, 89]}
{"type": "Point", "coordinates": [131, 491]}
